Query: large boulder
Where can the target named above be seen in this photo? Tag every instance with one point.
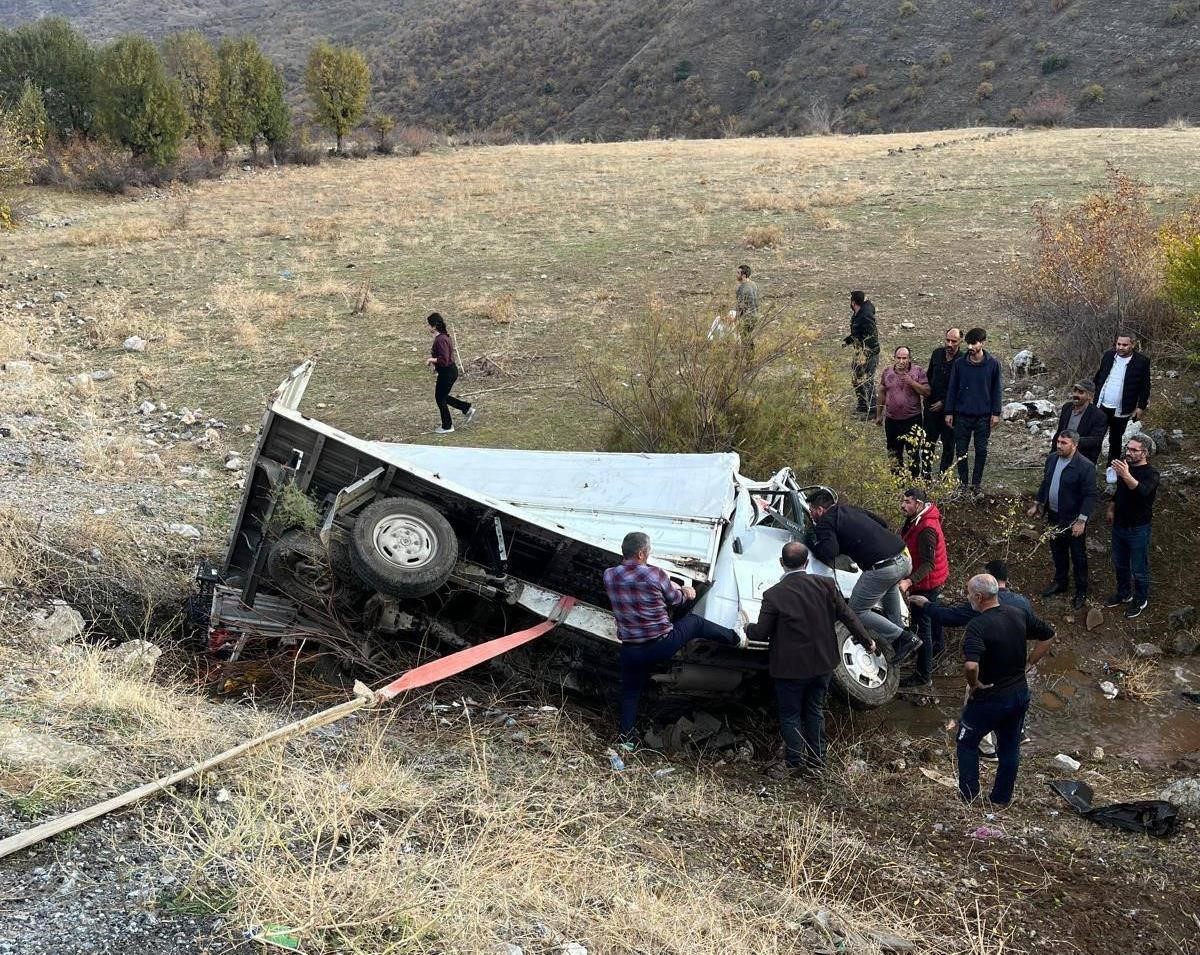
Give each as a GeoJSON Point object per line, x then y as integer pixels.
{"type": "Point", "coordinates": [1014, 411]}
{"type": "Point", "coordinates": [60, 624]}
{"type": "Point", "coordinates": [1184, 793]}
{"type": "Point", "coordinates": [25, 748]}
{"type": "Point", "coordinates": [134, 658]}
{"type": "Point", "coordinates": [1183, 618]}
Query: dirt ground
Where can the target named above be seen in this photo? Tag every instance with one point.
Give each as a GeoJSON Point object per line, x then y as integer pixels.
{"type": "Point", "coordinates": [537, 254]}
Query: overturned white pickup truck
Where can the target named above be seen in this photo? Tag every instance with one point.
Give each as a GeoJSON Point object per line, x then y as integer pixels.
{"type": "Point", "coordinates": [451, 541]}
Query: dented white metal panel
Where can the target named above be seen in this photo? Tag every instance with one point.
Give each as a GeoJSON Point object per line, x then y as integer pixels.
{"type": "Point", "coordinates": [680, 500]}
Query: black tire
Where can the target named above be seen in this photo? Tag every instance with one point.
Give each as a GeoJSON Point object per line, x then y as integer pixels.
{"type": "Point", "coordinates": [298, 564]}
{"type": "Point", "coordinates": [339, 556]}
{"type": "Point", "coordinates": [416, 554]}
{"type": "Point", "coordinates": [862, 680]}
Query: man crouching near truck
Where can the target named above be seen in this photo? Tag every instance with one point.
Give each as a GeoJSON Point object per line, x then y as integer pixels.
{"type": "Point", "coordinates": [640, 595]}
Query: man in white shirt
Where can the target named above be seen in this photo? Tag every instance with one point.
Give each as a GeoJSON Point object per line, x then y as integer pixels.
{"type": "Point", "coordinates": [1122, 388]}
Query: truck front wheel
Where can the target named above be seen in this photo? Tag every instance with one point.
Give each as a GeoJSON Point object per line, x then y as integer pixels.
{"type": "Point", "coordinates": [403, 547]}
{"type": "Point", "coordinates": [863, 679]}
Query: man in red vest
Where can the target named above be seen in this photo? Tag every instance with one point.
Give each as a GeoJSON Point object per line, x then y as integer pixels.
{"type": "Point", "coordinates": [922, 534]}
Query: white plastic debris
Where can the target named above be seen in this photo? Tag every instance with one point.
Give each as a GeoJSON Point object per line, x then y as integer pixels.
{"type": "Point", "coordinates": [1066, 762]}
{"type": "Point", "coordinates": [1109, 689]}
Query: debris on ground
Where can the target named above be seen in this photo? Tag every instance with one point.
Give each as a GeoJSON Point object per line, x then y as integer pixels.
{"type": "Point", "coordinates": [1109, 689]}
{"type": "Point", "coordinates": [1184, 793]}
{"type": "Point", "coordinates": [1155, 817]}
{"type": "Point", "coordinates": [1062, 759]}
{"type": "Point", "coordinates": [1147, 650]}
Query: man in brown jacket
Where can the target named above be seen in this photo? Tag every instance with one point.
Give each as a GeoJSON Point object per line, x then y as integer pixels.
{"type": "Point", "coordinates": [797, 619]}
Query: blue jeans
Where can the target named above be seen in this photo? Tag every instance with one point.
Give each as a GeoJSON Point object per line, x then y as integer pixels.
{"type": "Point", "coordinates": [1131, 558]}
{"type": "Point", "coordinates": [1005, 716]}
{"type": "Point", "coordinates": [802, 719]}
{"type": "Point", "coordinates": [924, 624]}
{"type": "Point", "coordinates": [965, 427]}
{"type": "Point", "coordinates": [639, 659]}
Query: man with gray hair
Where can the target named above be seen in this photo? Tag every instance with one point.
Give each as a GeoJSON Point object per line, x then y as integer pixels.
{"type": "Point", "coordinates": [1067, 497]}
{"type": "Point", "coordinates": [1130, 513]}
{"type": "Point", "coordinates": [640, 595]}
{"type": "Point", "coordinates": [994, 649]}
{"type": "Point", "coordinates": [1079, 414]}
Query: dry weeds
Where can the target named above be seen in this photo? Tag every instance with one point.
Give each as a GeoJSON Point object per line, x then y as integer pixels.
{"type": "Point", "coordinates": [762, 237]}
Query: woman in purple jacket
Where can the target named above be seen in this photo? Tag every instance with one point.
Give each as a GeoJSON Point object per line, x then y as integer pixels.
{"type": "Point", "coordinates": [441, 359]}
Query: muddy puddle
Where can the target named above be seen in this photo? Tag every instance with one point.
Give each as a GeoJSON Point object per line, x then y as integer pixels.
{"type": "Point", "coordinates": [1070, 713]}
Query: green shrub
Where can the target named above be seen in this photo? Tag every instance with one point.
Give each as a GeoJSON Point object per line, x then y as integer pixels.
{"type": "Point", "coordinates": [984, 91]}
{"type": "Point", "coordinates": [907, 8]}
{"type": "Point", "coordinates": [683, 69]}
{"type": "Point", "coordinates": [1054, 63]}
{"type": "Point", "coordinates": [1182, 273]}
{"type": "Point", "coordinates": [137, 106]}
{"type": "Point", "coordinates": [1092, 93]}
{"type": "Point", "coordinates": [987, 68]}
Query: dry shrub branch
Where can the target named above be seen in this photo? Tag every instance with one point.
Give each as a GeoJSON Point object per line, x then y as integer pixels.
{"type": "Point", "coordinates": [1098, 267]}
{"type": "Point", "coordinates": [670, 389]}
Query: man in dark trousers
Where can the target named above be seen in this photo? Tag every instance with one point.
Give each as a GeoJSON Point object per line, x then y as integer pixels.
{"type": "Point", "coordinates": [640, 595]}
{"type": "Point", "coordinates": [746, 300]}
{"type": "Point", "coordinates": [997, 689]}
{"type": "Point", "coordinates": [864, 338]}
{"type": "Point", "coordinates": [938, 373]}
{"type": "Point", "coordinates": [797, 619]}
{"type": "Point", "coordinates": [973, 406]}
{"type": "Point", "coordinates": [1067, 497]}
{"type": "Point", "coordinates": [1079, 414]}
{"type": "Point", "coordinates": [864, 537]}
{"type": "Point", "coordinates": [1122, 388]}
{"type": "Point", "coordinates": [1130, 513]}
{"type": "Point", "coordinates": [922, 535]}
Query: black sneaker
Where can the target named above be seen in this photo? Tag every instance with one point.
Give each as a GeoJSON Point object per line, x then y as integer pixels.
{"type": "Point", "coordinates": [1135, 608]}
{"type": "Point", "coordinates": [1115, 601]}
{"type": "Point", "coordinates": [1054, 590]}
{"type": "Point", "coordinates": [1079, 602]}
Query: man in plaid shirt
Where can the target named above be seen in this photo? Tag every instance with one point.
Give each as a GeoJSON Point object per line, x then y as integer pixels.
{"type": "Point", "coordinates": [640, 595]}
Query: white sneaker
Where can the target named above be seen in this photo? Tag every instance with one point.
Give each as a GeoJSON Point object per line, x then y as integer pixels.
{"type": "Point", "coordinates": [470, 415]}
{"type": "Point", "coordinates": [743, 640]}
{"type": "Point", "coordinates": [443, 430]}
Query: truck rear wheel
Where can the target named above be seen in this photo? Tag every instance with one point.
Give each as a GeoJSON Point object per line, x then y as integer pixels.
{"type": "Point", "coordinates": [864, 680]}
{"type": "Point", "coordinates": [403, 547]}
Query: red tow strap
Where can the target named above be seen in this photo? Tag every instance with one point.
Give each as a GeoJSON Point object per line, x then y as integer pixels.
{"type": "Point", "coordinates": [457, 662]}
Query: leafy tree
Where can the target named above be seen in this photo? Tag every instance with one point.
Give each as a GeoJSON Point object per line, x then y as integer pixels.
{"type": "Point", "coordinates": [30, 118]}
{"type": "Point", "coordinates": [192, 62]}
{"type": "Point", "coordinates": [136, 104]}
{"type": "Point", "coordinates": [16, 156]}
{"type": "Point", "coordinates": [56, 59]}
{"type": "Point", "coordinates": [249, 105]}
{"type": "Point", "coordinates": [338, 81]}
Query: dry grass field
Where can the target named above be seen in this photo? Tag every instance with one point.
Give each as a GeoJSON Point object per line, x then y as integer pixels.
{"type": "Point", "coordinates": [538, 254]}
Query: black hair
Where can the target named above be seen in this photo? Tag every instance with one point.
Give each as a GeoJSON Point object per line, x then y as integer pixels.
{"type": "Point", "coordinates": [436, 321]}
{"type": "Point", "coordinates": [905, 347]}
{"type": "Point", "coordinates": [857, 297]}
{"type": "Point", "coordinates": [976, 335]}
{"type": "Point", "coordinates": [820, 498]}
{"type": "Point", "coordinates": [744, 270]}
{"type": "Point", "coordinates": [997, 568]}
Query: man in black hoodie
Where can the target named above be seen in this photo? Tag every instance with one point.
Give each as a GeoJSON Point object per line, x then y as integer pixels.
{"type": "Point", "coordinates": [864, 337]}
{"type": "Point", "coordinates": [973, 406]}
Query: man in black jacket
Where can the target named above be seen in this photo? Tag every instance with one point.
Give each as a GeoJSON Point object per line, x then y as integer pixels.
{"type": "Point", "coordinates": [1130, 513]}
{"type": "Point", "coordinates": [863, 536]}
{"type": "Point", "coordinates": [864, 337]}
{"type": "Point", "coordinates": [941, 362]}
{"type": "Point", "coordinates": [797, 619]}
{"type": "Point", "coordinates": [1122, 388]}
{"type": "Point", "coordinates": [1066, 497]}
{"type": "Point", "coordinates": [1079, 414]}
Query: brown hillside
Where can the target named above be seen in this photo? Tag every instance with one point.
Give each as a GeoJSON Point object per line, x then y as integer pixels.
{"type": "Point", "coordinates": [626, 69]}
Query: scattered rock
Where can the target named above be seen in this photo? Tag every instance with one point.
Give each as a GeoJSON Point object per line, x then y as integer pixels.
{"type": "Point", "coordinates": [1095, 617]}
{"type": "Point", "coordinates": [1184, 793]}
{"type": "Point", "coordinates": [1042, 408]}
{"type": "Point", "coordinates": [18, 369]}
{"type": "Point", "coordinates": [1109, 689]}
{"type": "Point", "coordinates": [1014, 411]}
{"type": "Point", "coordinates": [106, 375]}
{"type": "Point", "coordinates": [60, 296]}
{"type": "Point", "coordinates": [1098, 754]}
{"type": "Point", "coordinates": [135, 658]}
{"type": "Point", "coordinates": [147, 407]}
{"type": "Point", "coordinates": [1183, 644]}
{"type": "Point", "coordinates": [184, 530]}
{"type": "Point", "coordinates": [1182, 619]}
{"type": "Point", "coordinates": [508, 948]}
{"type": "Point", "coordinates": [134, 343]}
{"type": "Point", "coordinates": [1147, 650]}
{"type": "Point", "coordinates": [59, 625]}
{"type": "Point", "coordinates": [23, 747]}
{"type": "Point", "coordinates": [891, 943]}
{"type": "Point", "coordinates": [571, 948]}
{"type": "Point", "coordinates": [1066, 762]}
{"type": "Point", "coordinates": [82, 383]}
{"type": "Point", "coordinates": [1025, 363]}
{"type": "Point", "coordinates": [53, 359]}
